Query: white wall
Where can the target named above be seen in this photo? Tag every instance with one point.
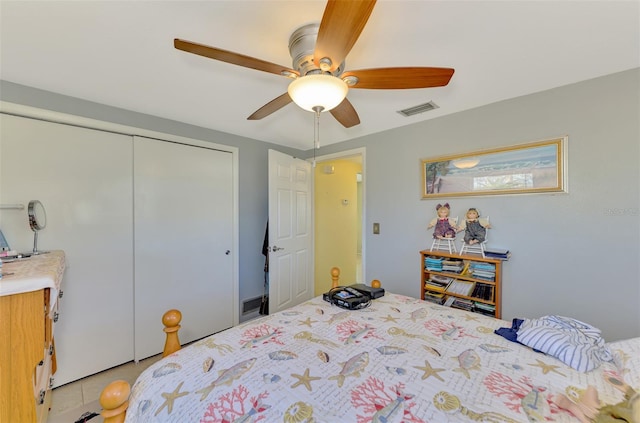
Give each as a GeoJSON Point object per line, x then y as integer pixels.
{"type": "Point", "coordinates": [574, 254]}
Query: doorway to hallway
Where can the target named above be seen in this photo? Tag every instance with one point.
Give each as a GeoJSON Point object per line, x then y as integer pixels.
{"type": "Point", "coordinates": [339, 217]}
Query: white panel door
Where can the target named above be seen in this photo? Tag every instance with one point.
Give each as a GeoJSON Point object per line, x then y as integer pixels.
{"type": "Point", "coordinates": [83, 179]}
{"type": "Point", "coordinates": [290, 232]}
{"type": "Point", "coordinates": [183, 214]}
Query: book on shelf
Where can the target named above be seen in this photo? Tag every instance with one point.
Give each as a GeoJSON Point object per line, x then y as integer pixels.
{"type": "Point", "coordinates": [496, 250]}
{"type": "Point", "coordinates": [484, 276]}
{"type": "Point", "coordinates": [433, 259]}
{"type": "Point", "coordinates": [441, 279]}
{"type": "Point", "coordinates": [484, 271]}
{"type": "Point", "coordinates": [487, 267]}
{"type": "Point", "coordinates": [433, 263]}
{"type": "Point", "coordinates": [453, 265]}
{"type": "Point", "coordinates": [434, 297]}
{"type": "Point", "coordinates": [437, 284]}
{"type": "Point", "coordinates": [463, 304]}
{"type": "Point", "coordinates": [484, 312]}
{"type": "Point", "coordinates": [486, 309]}
{"type": "Point", "coordinates": [461, 287]}
{"type": "Point", "coordinates": [434, 288]}
{"type": "Point", "coordinates": [483, 291]}
{"type": "Point", "coordinates": [498, 253]}
{"type": "Point", "coordinates": [483, 306]}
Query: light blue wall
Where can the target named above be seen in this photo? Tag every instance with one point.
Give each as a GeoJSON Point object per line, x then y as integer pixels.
{"type": "Point", "coordinates": [574, 254]}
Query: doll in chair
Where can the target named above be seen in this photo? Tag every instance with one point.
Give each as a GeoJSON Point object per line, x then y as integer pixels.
{"type": "Point", "coordinates": [444, 226]}
{"type": "Point", "coordinates": [475, 229]}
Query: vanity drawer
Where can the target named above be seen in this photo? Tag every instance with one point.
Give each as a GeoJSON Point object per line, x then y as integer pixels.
{"type": "Point", "coordinates": [43, 374]}
{"type": "Point", "coordinates": [42, 410]}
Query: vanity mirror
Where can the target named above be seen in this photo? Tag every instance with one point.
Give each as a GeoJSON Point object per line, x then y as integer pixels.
{"type": "Point", "coordinates": [37, 221]}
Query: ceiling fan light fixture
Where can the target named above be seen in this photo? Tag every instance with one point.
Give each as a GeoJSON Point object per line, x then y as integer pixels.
{"type": "Point", "coordinates": [318, 90]}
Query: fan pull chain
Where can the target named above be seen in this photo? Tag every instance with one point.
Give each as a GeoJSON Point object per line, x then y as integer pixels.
{"type": "Point", "coordinates": [316, 132]}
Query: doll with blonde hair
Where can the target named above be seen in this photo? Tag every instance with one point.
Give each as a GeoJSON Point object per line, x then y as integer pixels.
{"type": "Point", "coordinates": [444, 226]}
{"type": "Point", "coordinates": [475, 230]}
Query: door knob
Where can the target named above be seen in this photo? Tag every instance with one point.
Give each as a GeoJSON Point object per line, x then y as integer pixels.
{"type": "Point", "coordinates": [276, 248]}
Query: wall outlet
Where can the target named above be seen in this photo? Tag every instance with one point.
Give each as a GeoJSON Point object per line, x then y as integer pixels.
{"type": "Point", "coordinates": [376, 229]}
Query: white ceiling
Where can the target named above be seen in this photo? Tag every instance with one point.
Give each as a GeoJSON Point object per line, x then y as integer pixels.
{"type": "Point", "coordinates": [120, 53]}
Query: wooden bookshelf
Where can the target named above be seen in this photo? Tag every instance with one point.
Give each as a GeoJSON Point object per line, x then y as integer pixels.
{"type": "Point", "coordinates": [485, 297]}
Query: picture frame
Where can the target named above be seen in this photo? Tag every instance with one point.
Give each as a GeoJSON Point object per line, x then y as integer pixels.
{"type": "Point", "coordinates": [537, 167]}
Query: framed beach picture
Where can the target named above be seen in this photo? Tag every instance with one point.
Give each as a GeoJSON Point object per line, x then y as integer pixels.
{"type": "Point", "coordinates": [521, 169]}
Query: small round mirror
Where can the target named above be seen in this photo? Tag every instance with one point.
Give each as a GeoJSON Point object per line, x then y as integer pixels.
{"type": "Point", "coordinates": [37, 221]}
{"type": "Point", "coordinates": [37, 215]}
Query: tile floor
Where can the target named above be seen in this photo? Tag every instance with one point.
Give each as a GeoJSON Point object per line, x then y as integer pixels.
{"type": "Point", "coordinates": [76, 394]}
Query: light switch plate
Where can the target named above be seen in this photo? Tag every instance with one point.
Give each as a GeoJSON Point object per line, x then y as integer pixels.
{"type": "Point", "coordinates": [376, 228]}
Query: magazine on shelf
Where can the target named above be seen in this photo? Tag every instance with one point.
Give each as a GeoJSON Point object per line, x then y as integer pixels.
{"type": "Point", "coordinates": [441, 279]}
{"type": "Point", "coordinates": [434, 288]}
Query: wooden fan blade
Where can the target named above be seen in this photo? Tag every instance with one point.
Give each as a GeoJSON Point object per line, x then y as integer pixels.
{"type": "Point", "coordinates": [345, 114]}
{"type": "Point", "coordinates": [341, 25]}
{"type": "Point", "coordinates": [231, 57]}
{"type": "Point", "coordinates": [272, 106]}
{"type": "Point", "coordinates": [400, 78]}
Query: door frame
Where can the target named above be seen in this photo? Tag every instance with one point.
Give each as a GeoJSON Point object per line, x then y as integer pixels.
{"type": "Point", "coordinates": [361, 151]}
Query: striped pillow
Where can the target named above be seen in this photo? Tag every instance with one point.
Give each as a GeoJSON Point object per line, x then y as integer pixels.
{"type": "Point", "coordinates": [571, 341]}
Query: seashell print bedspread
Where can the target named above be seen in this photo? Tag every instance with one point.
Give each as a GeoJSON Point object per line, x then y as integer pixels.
{"type": "Point", "coordinates": [400, 360]}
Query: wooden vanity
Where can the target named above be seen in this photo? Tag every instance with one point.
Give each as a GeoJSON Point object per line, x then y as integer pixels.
{"type": "Point", "coordinates": [29, 292]}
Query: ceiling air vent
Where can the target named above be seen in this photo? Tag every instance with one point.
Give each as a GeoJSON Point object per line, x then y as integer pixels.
{"type": "Point", "coordinates": [421, 108]}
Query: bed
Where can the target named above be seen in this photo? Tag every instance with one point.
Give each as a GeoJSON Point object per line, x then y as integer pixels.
{"type": "Point", "coordinates": [399, 360]}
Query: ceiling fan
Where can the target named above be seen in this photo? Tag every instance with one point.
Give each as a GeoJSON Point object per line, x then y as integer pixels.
{"type": "Point", "coordinates": [318, 53]}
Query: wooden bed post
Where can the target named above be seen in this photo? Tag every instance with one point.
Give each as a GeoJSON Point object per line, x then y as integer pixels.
{"type": "Point", "coordinates": [114, 400]}
{"type": "Point", "coordinates": [335, 276]}
{"type": "Point", "coordinates": [171, 320]}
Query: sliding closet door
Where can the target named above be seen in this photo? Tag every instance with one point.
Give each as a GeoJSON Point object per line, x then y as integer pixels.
{"type": "Point", "coordinates": [83, 179]}
{"type": "Point", "coordinates": [183, 214]}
